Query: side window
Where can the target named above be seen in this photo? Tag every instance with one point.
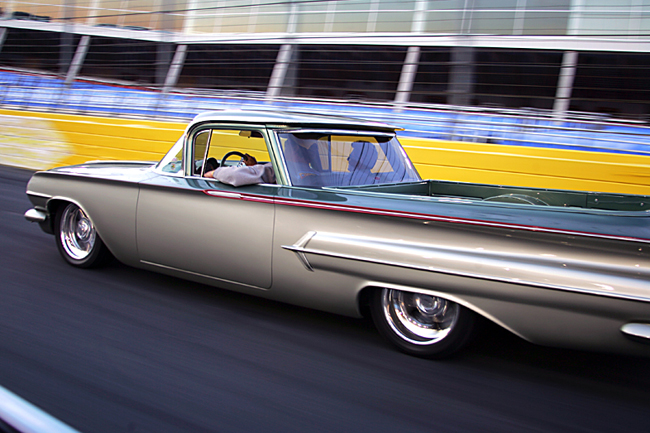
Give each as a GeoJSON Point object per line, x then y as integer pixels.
{"type": "Point", "coordinates": [210, 146]}
{"type": "Point", "coordinates": [321, 159]}
{"type": "Point", "coordinates": [251, 142]}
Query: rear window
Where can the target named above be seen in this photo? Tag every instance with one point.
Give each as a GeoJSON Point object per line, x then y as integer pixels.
{"type": "Point", "coordinates": [326, 159]}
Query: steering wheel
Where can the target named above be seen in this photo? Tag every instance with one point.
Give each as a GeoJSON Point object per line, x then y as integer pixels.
{"type": "Point", "coordinates": [228, 155]}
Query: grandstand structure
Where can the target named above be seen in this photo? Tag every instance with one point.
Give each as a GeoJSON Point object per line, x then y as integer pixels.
{"type": "Point", "coordinates": [558, 59]}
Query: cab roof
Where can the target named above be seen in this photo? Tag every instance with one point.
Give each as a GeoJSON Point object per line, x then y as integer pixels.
{"type": "Point", "coordinates": [289, 119]}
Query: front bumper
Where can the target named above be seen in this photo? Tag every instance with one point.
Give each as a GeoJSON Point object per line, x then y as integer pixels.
{"type": "Point", "coordinates": [36, 216]}
{"type": "Point", "coordinates": [41, 217]}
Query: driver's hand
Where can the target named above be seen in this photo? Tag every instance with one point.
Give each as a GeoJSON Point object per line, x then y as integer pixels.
{"type": "Point", "coordinates": [249, 160]}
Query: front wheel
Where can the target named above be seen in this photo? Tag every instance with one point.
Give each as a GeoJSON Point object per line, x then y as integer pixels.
{"type": "Point", "coordinates": [77, 238]}
{"type": "Point", "coordinates": [421, 325]}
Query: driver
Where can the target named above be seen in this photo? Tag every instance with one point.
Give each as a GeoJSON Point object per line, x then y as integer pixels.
{"type": "Point", "coordinates": [249, 174]}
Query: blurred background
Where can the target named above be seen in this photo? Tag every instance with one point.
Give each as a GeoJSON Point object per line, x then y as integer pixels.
{"type": "Point", "coordinates": [559, 57]}
{"type": "Point", "coordinates": [546, 93]}
{"type": "Point", "coordinates": [552, 74]}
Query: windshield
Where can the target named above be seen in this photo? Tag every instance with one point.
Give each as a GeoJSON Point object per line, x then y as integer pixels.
{"type": "Point", "coordinates": [336, 159]}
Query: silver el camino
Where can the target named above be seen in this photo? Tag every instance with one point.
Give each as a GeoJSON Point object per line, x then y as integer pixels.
{"type": "Point", "coordinates": [331, 214]}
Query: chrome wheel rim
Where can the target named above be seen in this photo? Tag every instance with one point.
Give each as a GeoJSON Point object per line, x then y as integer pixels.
{"type": "Point", "coordinates": [77, 233]}
{"type": "Point", "coordinates": [418, 318]}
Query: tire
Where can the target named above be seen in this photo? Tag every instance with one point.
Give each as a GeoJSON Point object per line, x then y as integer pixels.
{"type": "Point", "coordinates": [422, 325]}
{"type": "Point", "coordinates": [77, 238]}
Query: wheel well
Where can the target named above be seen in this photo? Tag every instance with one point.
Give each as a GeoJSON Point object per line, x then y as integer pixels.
{"type": "Point", "coordinates": [364, 296]}
{"type": "Point", "coordinates": [52, 208]}
{"type": "Point", "coordinates": [363, 300]}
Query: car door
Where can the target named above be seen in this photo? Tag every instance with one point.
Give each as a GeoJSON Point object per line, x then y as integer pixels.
{"type": "Point", "coordinates": [201, 226]}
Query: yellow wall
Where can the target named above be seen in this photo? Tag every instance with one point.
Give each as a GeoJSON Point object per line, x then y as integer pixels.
{"type": "Point", "coordinates": [44, 140]}
{"type": "Point", "coordinates": [530, 166]}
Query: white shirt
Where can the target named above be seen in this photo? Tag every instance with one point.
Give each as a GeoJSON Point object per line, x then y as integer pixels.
{"type": "Point", "coordinates": [245, 175]}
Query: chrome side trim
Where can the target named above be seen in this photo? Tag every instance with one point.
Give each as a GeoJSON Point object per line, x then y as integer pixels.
{"type": "Point", "coordinates": [35, 216]}
{"type": "Point", "coordinates": [301, 250]}
{"type": "Point", "coordinates": [639, 330]}
{"type": "Point", "coordinates": [238, 196]}
{"type": "Point", "coordinates": [27, 418]}
{"type": "Point", "coordinates": [302, 243]}
{"type": "Point", "coordinates": [38, 194]}
{"type": "Point", "coordinates": [171, 268]}
{"type": "Point", "coordinates": [224, 194]}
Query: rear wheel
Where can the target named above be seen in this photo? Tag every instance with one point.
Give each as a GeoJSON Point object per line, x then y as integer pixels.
{"type": "Point", "coordinates": [77, 238]}
{"type": "Point", "coordinates": [422, 325]}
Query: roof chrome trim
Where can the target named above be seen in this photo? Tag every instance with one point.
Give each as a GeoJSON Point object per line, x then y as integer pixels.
{"type": "Point", "coordinates": [286, 119]}
{"type": "Point", "coordinates": [291, 130]}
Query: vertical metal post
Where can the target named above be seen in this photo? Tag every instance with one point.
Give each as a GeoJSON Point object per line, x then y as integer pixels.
{"type": "Point", "coordinates": [164, 51]}
{"type": "Point", "coordinates": [565, 84]}
{"type": "Point", "coordinates": [94, 11]}
{"type": "Point", "coordinates": [518, 25]}
{"type": "Point", "coordinates": [412, 59]}
{"type": "Point", "coordinates": [190, 16]}
{"type": "Point", "coordinates": [65, 51]}
{"type": "Point", "coordinates": [329, 17]}
{"type": "Point", "coordinates": [284, 58]}
{"type": "Point", "coordinates": [175, 68]}
{"type": "Point", "coordinates": [78, 60]}
{"type": "Point", "coordinates": [407, 77]}
{"type": "Point", "coordinates": [3, 36]}
{"type": "Point", "coordinates": [373, 10]}
{"type": "Point", "coordinates": [282, 63]}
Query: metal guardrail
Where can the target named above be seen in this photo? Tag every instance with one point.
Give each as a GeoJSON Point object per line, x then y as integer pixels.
{"type": "Point", "coordinates": [467, 124]}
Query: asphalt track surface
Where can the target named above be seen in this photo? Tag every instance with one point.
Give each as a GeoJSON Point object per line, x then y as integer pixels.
{"type": "Point", "coordinates": [124, 350]}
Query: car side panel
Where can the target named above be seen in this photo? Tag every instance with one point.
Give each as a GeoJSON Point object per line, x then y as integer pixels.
{"type": "Point", "coordinates": [550, 288]}
{"type": "Point", "coordinates": [207, 228]}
